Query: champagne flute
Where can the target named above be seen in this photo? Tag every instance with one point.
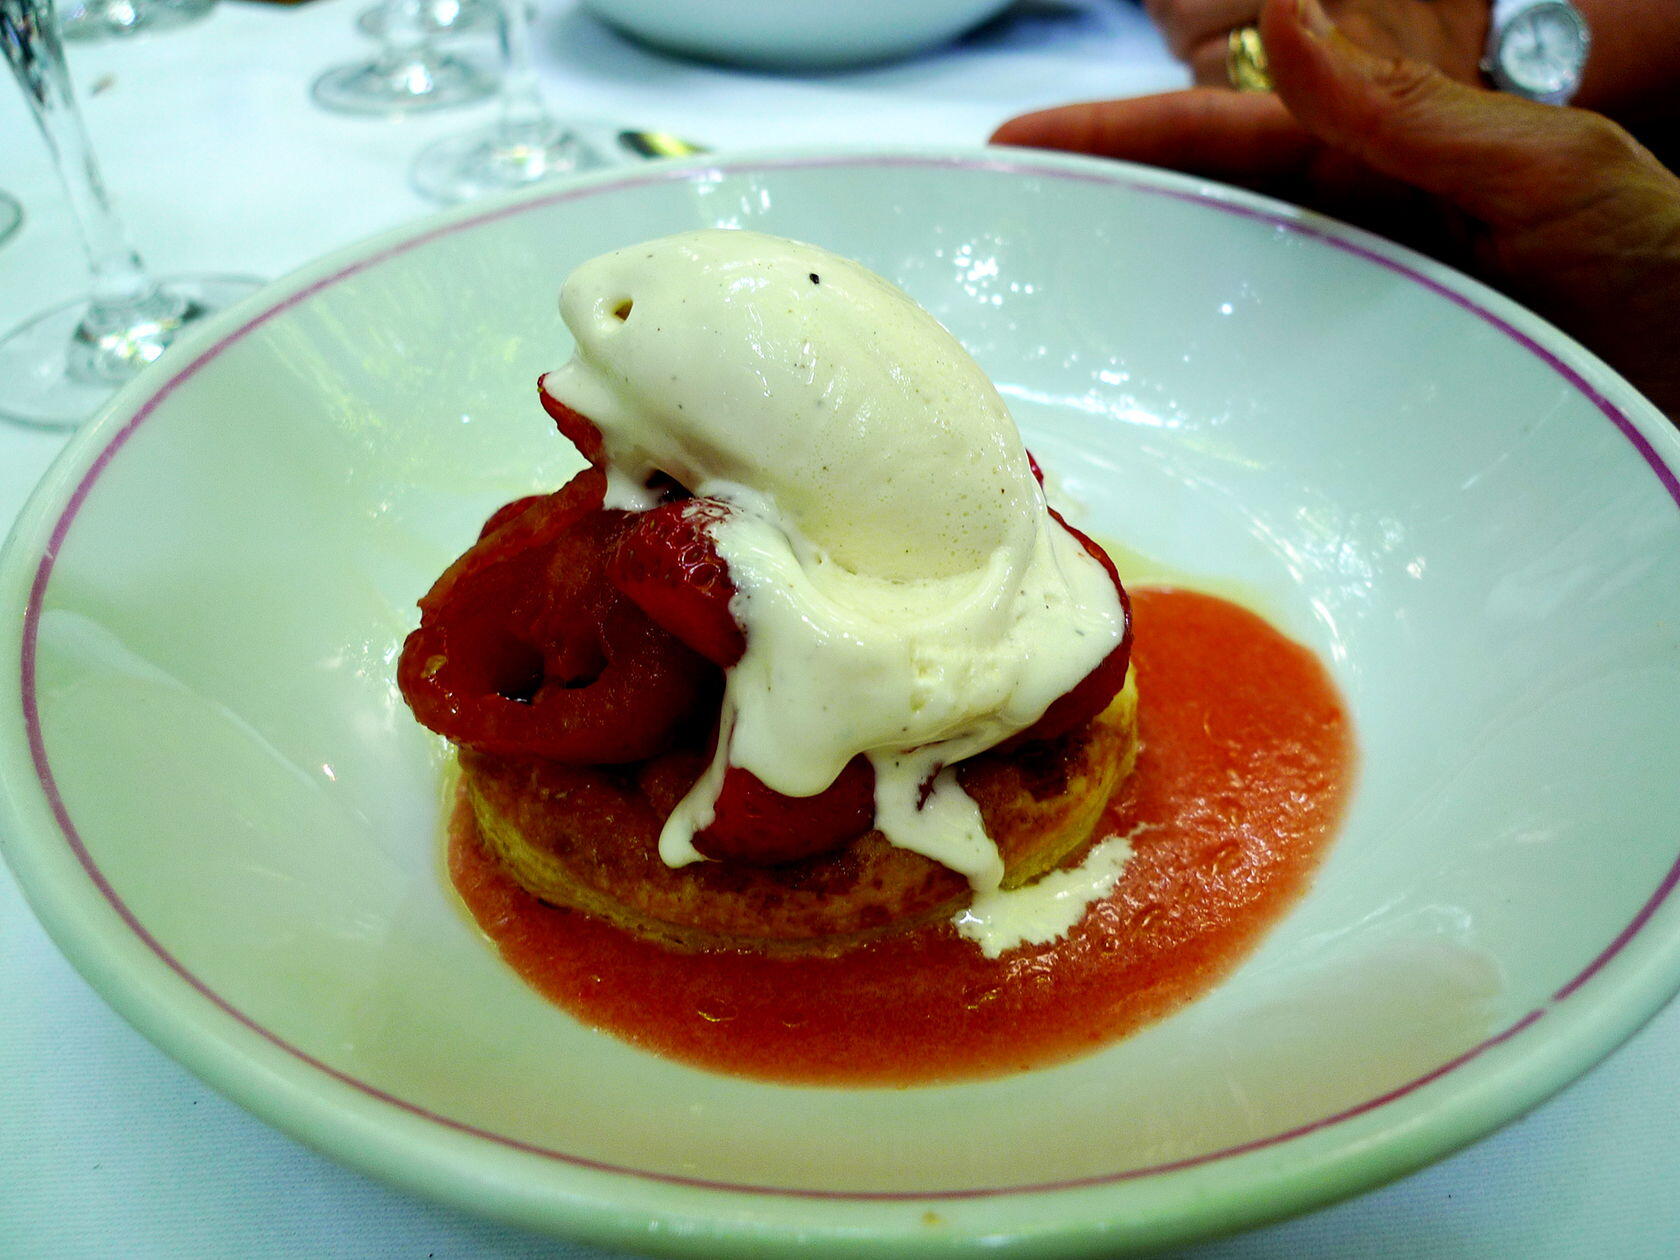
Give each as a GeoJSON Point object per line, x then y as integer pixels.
{"type": "Point", "coordinates": [525, 144]}
{"type": "Point", "coordinates": [409, 73]}
{"type": "Point", "coordinates": [57, 368]}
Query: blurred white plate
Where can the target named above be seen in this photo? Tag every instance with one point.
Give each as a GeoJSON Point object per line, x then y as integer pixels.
{"type": "Point", "coordinates": [220, 808]}
{"type": "Point", "coordinates": [795, 34]}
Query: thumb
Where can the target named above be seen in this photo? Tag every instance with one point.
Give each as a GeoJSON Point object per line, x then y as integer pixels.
{"type": "Point", "coordinates": [1508, 162]}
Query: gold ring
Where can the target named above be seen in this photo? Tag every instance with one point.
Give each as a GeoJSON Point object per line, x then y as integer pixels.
{"type": "Point", "coordinates": [1245, 61]}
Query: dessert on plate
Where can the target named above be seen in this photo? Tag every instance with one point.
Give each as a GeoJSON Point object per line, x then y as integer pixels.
{"type": "Point", "coordinates": [803, 657]}
{"type": "Point", "coordinates": [800, 737]}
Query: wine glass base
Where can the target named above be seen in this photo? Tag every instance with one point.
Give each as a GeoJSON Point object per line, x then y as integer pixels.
{"type": "Point", "coordinates": [439, 17]}
{"type": "Point", "coordinates": [45, 376]}
{"type": "Point", "coordinates": [461, 168]}
{"type": "Point", "coordinates": [429, 82]}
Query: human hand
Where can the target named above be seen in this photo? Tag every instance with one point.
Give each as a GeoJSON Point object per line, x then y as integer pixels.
{"type": "Point", "coordinates": [1447, 34]}
{"type": "Point", "coordinates": [1633, 74]}
{"type": "Point", "coordinates": [1559, 207]}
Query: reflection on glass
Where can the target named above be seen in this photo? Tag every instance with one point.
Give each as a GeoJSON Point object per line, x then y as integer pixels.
{"type": "Point", "coordinates": [99, 19]}
{"type": "Point", "coordinates": [525, 145]}
{"type": "Point", "coordinates": [439, 17]}
{"type": "Point", "coordinates": [11, 216]}
{"type": "Point", "coordinates": [57, 368]}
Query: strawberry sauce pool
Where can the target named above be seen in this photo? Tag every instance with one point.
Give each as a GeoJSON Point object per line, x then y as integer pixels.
{"type": "Point", "coordinates": [1244, 768]}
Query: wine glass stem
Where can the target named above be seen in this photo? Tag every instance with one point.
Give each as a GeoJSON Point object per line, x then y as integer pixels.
{"type": "Point", "coordinates": [406, 40]}
{"type": "Point", "coordinates": [122, 288]}
{"type": "Point", "coordinates": [523, 120]}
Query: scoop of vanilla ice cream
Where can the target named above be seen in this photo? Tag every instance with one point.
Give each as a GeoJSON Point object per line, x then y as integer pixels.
{"type": "Point", "coordinates": [742, 357]}
{"type": "Point", "coordinates": [903, 590]}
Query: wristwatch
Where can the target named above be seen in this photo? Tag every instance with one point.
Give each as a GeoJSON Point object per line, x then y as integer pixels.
{"type": "Point", "coordinates": [1537, 49]}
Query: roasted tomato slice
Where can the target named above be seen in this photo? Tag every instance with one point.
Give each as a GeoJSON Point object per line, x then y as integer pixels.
{"type": "Point", "coordinates": [524, 647]}
{"type": "Point", "coordinates": [668, 564]}
{"type": "Point", "coordinates": [755, 825]}
{"type": "Point", "coordinates": [1091, 695]}
{"type": "Point", "coordinates": [575, 427]}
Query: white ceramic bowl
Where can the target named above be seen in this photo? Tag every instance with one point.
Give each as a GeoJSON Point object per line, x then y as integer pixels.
{"type": "Point", "coordinates": [220, 808]}
{"type": "Point", "coordinates": [795, 34]}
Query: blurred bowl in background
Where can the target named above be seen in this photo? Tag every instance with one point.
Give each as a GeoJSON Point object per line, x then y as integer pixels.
{"type": "Point", "coordinates": [794, 34]}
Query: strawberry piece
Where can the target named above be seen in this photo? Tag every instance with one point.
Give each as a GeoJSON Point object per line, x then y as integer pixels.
{"type": "Point", "coordinates": [508, 533]}
{"type": "Point", "coordinates": [506, 513]}
{"type": "Point", "coordinates": [577, 429]}
{"type": "Point", "coordinates": [669, 566]}
{"type": "Point", "coordinates": [760, 827]}
{"type": "Point", "coordinates": [524, 647]}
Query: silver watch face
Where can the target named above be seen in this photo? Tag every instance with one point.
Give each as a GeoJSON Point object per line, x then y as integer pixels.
{"type": "Point", "coordinates": [1542, 50]}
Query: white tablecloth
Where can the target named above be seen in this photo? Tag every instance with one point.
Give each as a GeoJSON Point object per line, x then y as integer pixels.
{"type": "Point", "coordinates": [220, 163]}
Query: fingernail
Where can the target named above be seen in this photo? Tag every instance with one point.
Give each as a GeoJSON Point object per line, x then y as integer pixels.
{"type": "Point", "coordinates": [1311, 16]}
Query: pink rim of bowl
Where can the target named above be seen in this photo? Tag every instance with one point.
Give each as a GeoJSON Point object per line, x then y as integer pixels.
{"type": "Point", "coordinates": [216, 1060]}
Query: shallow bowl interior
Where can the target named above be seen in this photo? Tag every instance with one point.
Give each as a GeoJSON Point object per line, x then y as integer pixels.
{"type": "Point", "coordinates": [218, 804]}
